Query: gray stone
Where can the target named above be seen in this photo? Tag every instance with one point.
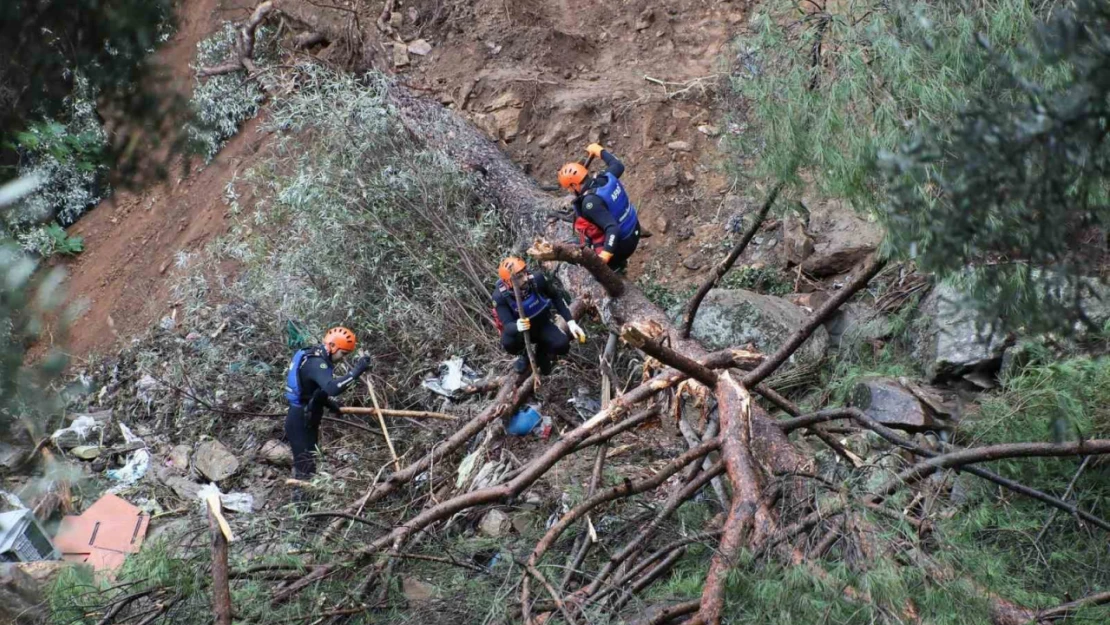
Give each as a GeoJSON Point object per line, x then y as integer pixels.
{"type": "Point", "coordinates": [400, 55]}
{"type": "Point", "coordinates": [645, 20]}
{"type": "Point", "coordinates": [179, 457]}
{"type": "Point", "coordinates": [420, 47]}
{"type": "Point", "coordinates": [277, 452]}
{"type": "Point", "coordinates": [11, 457]}
{"type": "Point", "coordinates": [737, 317]}
{"type": "Point", "coordinates": [23, 589]}
{"type": "Point", "coordinates": [184, 488]}
{"type": "Point", "coordinates": [709, 131]}
{"type": "Point", "coordinates": [841, 238]}
{"type": "Point", "coordinates": [416, 590]}
{"type": "Point", "coordinates": [951, 342]}
{"type": "Point", "coordinates": [888, 402]}
{"type": "Point", "coordinates": [855, 324]}
{"type": "Point", "coordinates": [495, 524]}
{"type": "Point", "coordinates": [214, 461]}
{"type": "Point", "coordinates": [692, 262]}
{"type": "Point", "coordinates": [797, 244]}
{"type": "Point", "coordinates": [667, 177]}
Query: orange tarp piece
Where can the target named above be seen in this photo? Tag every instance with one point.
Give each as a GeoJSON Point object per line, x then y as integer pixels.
{"type": "Point", "coordinates": [103, 535]}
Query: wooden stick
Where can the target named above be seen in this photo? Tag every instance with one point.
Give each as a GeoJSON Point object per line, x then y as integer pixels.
{"type": "Point", "coordinates": [221, 535]}
{"type": "Point", "coordinates": [381, 422]}
{"type": "Point", "coordinates": [389, 412]}
{"type": "Point", "coordinates": [527, 337]}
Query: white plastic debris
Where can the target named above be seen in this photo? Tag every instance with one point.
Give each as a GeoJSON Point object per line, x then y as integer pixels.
{"type": "Point", "coordinates": [236, 502]}
{"type": "Point", "coordinates": [453, 376]}
{"type": "Point", "coordinates": [80, 430]}
{"type": "Point", "coordinates": [143, 389]}
{"type": "Point", "coordinates": [137, 464]}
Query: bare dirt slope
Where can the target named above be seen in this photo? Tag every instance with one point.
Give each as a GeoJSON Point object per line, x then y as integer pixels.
{"type": "Point", "coordinates": [544, 78]}
{"type": "Point", "coordinates": [132, 238]}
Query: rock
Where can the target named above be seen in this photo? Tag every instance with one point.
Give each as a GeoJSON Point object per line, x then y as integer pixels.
{"type": "Point", "coordinates": [667, 177]}
{"type": "Point", "coordinates": [855, 324]}
{"type": "Point", "coordinates": [11, 457]}
{"type": "Point", "coordinates": [523, 522]}
{"type": "Point", "coordinates": [737, 317]}
{"type": "Point", "coordinates": [85, 452]}
{"type": "Point", "coordinates": [812, 301]}
{"type": "Point", "coordinates": [214, 461]}
{"type": "Point", "coordinates": [797, 244]}
{"type": "Point", "coordinates": [420, 47]}
{"type": "Point", "coordinates": [179, 457]}
{"type": "Point", "coordinates": [950, 342]}
{"type": "Point", "coordinates": [662, 224]}
{"type": "Point", "coordinates": [645, 20]}
{"type": "Point", "coordinates": [184, 488]}
{"type": "Point", "coordinates": [841, 238]}
{"type": "Point", "coordinates": [416, 590]}
{"type": "Point", "coordinates": [495, 524]}
{"type": "Point", "coordinates": [277, 452]}
{"type": "Point", "coordinates": [400, 55]}
{"type": "Point", "coordinates": [396, 19]}
{"type": "Point", "coordinates": [692, 262]}
{"type": "Point", "coordinates": [23, 590]}
{"type": "Point", "coordinates": [679, 146]}
{"type": "Point", "coordinates": [709, 131]}
{"type": "Point", "coordinates": [888, 402]}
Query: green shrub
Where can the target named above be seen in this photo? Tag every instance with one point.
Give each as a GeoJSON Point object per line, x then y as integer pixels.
{"type": "Point", "coordinates": [47, 241]}
{"type": "Point", "coordinates": [222, 103]}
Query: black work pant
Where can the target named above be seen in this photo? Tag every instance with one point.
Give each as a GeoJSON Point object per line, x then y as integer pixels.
{"type": "Point", "coordinates": [624, 250]}
{"type": "Point", "coordinates": [302, 429]}
{"type": "Point", "coordinates": [548, 340]}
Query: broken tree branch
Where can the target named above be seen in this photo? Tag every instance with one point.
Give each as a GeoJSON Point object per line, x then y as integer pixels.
{"type": "Point", "coordinates": [724, 266]}
{"type": "Point", "coordinates": [389, 412]}
{"type": "Point", "coordinates": [221, 590]}
{"type": "Point", "coordinates": [244, 45]}
{"type": "Point", "coordinates": [649, 339]}
{"type": "Point", "coordinates": [609, 280]}
{"type": "Point", "coordinates": [1065, 609]}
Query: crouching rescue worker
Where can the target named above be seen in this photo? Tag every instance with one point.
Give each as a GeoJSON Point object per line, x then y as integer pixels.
{"type": "Point", "coordinates": [604, 216]}
{"type": "Point", "coordinates": [310, 386]}
{"type": "Point", "coordinates": [538, 298]}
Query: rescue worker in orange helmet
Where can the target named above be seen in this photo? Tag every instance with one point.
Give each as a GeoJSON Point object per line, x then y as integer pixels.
{"type": "Point", "coordinates": [605, 218]}
{"type": "Point", "coordinates": [538, 298]}
{"type": "Point", "coordinates": [310, 386]}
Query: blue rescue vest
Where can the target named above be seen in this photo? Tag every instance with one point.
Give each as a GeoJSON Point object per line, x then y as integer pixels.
{"type": "Point", "coordinates": [533, 302]}
{"type": "Point", "coordinates": [616, 200]}
{"type": "Point", "coordinates": [294, 394]}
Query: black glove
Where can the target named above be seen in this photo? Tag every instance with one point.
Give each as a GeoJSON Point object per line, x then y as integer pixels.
{"type": "Point", "coordinates": [361, 365]}
{"type": "Point", "coordinates": [333, 406]}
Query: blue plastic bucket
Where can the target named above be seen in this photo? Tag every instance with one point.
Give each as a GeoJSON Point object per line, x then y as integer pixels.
{"type": "Point", "coordinates": [523, 422]}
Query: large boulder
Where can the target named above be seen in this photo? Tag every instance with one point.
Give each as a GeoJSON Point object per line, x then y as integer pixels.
{"type": "Point", "coordinates": [895, 405]}
{"type": "Point", "coordinates": [855, 324]}
{"type": "Point", "coordinates": [834, 239]}
{"type": "Point", "coordinates": [951, 342]}
{"type": "Point", "coordinates": [736, 317]}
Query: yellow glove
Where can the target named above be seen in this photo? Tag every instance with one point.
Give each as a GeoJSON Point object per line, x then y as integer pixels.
{"type": "Point", "coordinates": [606, 256]}
{"type": "Point", "coordinates": [576, 331]}
{"type": "Point", "coordinates": [594, 150]}
{"type": "Point", "coordinates": [523, 324]}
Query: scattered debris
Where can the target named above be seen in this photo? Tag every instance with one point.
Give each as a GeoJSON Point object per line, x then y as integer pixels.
{"type": "Point", "coordinates": [451, 377]}
{"type": "Point", "coordinates": [85, 452]}
{"type": "Point", "coordinates": [495, 524]}
{"type": "Point", "coordinates": [135, 467]}
{"type": "Point", "coordinates": [214, 461]}
{"type": "Point", "coordinates": [420, 47]}
{"type": "Point", "coordinates": [83, 429]}
{"type": "Point", "coordinates": [103, 535]}
{"type": "Point", "coordinates": [524, 421]}
{"type": "Point", "coordinates": [236, 502]}
{"type": "Point", "coordinates": [22, 539]}
{"type": "Point", "coordinates": [179, 457]}
{"type": "Point", "coordinates": [23, 590]}
{"type": "Point", "coordinates": [11, 457]}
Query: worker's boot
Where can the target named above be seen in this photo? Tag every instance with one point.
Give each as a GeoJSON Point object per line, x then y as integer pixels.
{"type": "Point", "coordinates": [521, 364]}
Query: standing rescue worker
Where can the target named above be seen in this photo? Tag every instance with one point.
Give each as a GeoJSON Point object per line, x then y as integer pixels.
{"type": "Point", "coordinates": [538, 297]}
{"type": "Point", "coordinates": [604, 216]}
{"type": "Point", "coordinates": [310, 385]}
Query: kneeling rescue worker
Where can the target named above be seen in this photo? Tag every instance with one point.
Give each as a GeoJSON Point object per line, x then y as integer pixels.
{"type": "Point", "coordinates": [604, 216]}
{"type": "Point", "coordinates": [538, 297]}
{"type": "Point", "coordinates": [310, 385]}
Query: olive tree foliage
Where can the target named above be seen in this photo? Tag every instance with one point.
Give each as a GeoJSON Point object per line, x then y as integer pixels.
{"type": "Point", "coordinates": [1019, 184]}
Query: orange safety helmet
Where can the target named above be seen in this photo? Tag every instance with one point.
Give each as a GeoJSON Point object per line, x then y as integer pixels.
{"type": "Point", "coordinates": [571, 176]}
{"type": "Point", "coordinates": [339, 338]}
{"type": "Point", "coordinates": [509, 267]}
